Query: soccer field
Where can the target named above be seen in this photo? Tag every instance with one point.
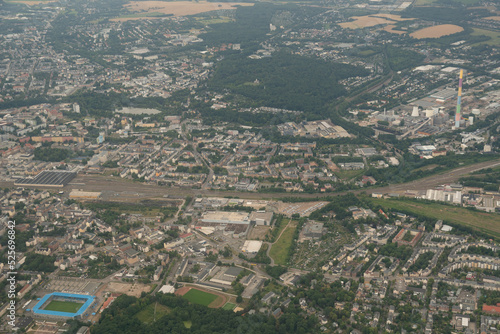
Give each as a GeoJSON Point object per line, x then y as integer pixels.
{"type": "Point", "coordinates": [63, 306]}
{"type": "Point", "coordinates": [199, 297]}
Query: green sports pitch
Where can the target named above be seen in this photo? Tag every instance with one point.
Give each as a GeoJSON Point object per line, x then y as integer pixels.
{"type": "Point", "coordinates": [63, 306]}
{"type": "Point", "coordinates": [199, 297]}
{"type": "Point", "coordinates": [229, 306]}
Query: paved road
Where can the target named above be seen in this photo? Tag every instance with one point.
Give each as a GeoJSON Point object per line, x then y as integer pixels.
{"type": "Point", "coordinates": [115, 188]}
{"type": "Point", "coordinates": [198, 156]}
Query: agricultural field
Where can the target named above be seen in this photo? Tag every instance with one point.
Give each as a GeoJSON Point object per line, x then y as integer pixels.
{"type": "Point", "coordinates": [372, 20]}
{"type": "Point", "coordinates": [30, 2]}
{"type": "Point", "coordinates": [216, 20]}
{"type": "Point", "coordinates": [480, 221]}
{"type": "Point", "coordinates": [152, 312]}
{"type": "Point", "coordinates": [364, 22]}
{"type": "Point", "coordinates": [392, 17]}
{"type": "Point", "coordinates": [430, 2]}
{"type": "Point", "coordinates": [280, 249]}
{"type": "Point", "coordinates": [495, 36]}
{"type": "Point", "coordinates": [63, 306]}
{"type": "Point", "coordinates": [180, 8]}
{"type": "Point", "coordinates": [424, 2]}
{"type": "Point", "coordinates": [437, 31]}
{"type": "Point", "coordinates": [390, 28]}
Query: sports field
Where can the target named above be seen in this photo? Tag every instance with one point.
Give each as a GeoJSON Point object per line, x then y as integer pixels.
{"type": "Point", "coordinates": [229, 306]}
{"type": "Point", "coordinates": [200, 297]}
{"type": "Point", "coordinates": [63, 306]}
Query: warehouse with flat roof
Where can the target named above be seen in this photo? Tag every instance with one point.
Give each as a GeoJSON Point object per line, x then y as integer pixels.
{"type": "Point", "coordinates": [223, 217]}
{"type": "Point", "coordinates": [47, 178]}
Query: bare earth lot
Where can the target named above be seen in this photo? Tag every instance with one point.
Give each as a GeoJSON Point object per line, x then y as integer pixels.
{"type": "Point", "coordinates": [258, 232]}
{"type": "Point", "coordinates": [127, 288]}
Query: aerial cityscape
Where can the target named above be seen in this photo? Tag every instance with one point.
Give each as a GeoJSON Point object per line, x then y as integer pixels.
{"type": "Point", "coordinates": [301, 166]}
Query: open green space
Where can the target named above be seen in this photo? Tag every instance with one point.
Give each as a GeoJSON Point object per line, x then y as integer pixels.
{"type": "Point", "coordinates": [152, 312]}
{"type": "Point", "coordinates": [229, 306]}
{"type": "Point", "coordinates": [281, 227]}
{"type": "Point", "coordinates": [437, 2]}
{"type": "Point", "coordinates": [200, 297]}
{"type": "Point", "coordinates": [424, 2]}
{"type": "Point", "coordinates": [63, 306]}
{"type": "Point", "coordinates": [494, 35]}
{"type": "Point", "coordinates": [367, 53]}
{"type": "Point", "coordinates": [281, 248]}
{"type": "Point", "coordinates": [480, 221]}
{"type": "Point", "coordinates": [468, 2]}
{"type": "Point", "coordinates": [349, 174]}
{"type": "Point", "coordinates": [22, 1]}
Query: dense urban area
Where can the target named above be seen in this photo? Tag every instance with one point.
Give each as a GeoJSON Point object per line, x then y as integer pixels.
{"type": "Point", "coordinates": [305, 166]}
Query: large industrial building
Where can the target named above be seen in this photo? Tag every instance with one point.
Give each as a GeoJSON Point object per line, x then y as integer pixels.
{"type": "Point", "coordinates": [47, 179]}
{"type": "Point", "coordinates": [235, 223]}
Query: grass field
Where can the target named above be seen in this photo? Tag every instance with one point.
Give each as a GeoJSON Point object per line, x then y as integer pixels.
{"type": "Point", "coordinates": [349, 174]}
{"type": "Point", "coordinates": [150, 14]}
{"type": "Point", "coordinates": [200, 297]}
{"type": "Point", "coordinates": [366, 53]}
{"type": "Point", "coordinates": [148, 315]}
{"type": "Point", "coordinates": [429, 2]}
{"type": "Point", "coordinates": [216, 21]}
{"type": "Point", "coordinates": [30, 2]}
{"type": "Point", "coordinates": [63, 306]}
{"type": "Point", "coordinates": [281, 227]}
{"type": "Point", "coordinates": [424, 2]}
{"type": "Point", "coordinates": [279, 250]}
{"type": "Point", "coordinates": [495, 36]}
{"type": "Point", "coordinates": [481, 221]}
{"type": "Point", "coordinates": [229, 306]}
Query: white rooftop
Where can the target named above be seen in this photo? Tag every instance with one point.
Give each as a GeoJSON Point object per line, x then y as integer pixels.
{"type": "Point", "coordinates": [167, 289]}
